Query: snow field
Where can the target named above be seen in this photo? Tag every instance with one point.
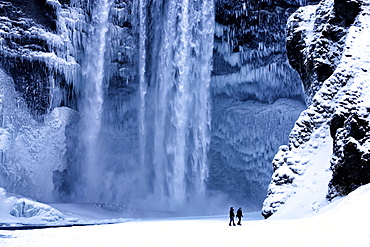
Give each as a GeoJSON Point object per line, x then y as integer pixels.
{"type": "Point", "coordinates": [343, 223]}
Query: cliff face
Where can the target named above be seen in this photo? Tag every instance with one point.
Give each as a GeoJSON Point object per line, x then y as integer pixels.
{"type": "Point", "coordinates": [326, 46]}
{"type": "Point", "coordinates": [316, 55]}
{"type": "Point", "coordinates": [24, 26]}
{"type": "Point", "coordinates": [43, 45]}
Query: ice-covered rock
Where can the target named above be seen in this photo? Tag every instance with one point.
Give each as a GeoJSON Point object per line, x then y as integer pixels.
{"type": "Point", "coordinates": [244, 140]}
{"type": "Point", "coordinates": [6, 203]}
{"type": "Point", "coordinates": [35, 212]}
{"type": "Point", "coordinates": [30, 151]}
{"type": "Point", "coordinates": [256, 95]}
{"type": "Point", "coordinates": [26, 208]}
{"type": "Point", "coordinates": [41, 58]}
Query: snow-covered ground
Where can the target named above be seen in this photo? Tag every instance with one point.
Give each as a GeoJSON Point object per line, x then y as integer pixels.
{"type": "Point", "coordinates": [345, 222]}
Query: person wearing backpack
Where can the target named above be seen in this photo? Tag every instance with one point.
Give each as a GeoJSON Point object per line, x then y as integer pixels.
{"type": "Point", "coordinates": [239, 215]}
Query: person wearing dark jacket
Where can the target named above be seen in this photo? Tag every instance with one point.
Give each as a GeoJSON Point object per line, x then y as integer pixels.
{"type": "Point", "coordinates": [239, 215]}
{"type": "Point", "coordinates": [232, 215]}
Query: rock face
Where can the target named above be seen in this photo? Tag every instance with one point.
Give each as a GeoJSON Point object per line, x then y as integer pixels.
{"type": "Point", "coordinates": [31, 19]}
{"type": "Point", "coordinates": [350, 162]}
{"type": "Point", "coordinates": [315, 56]}
{"type": "Point", "coordinates": [333, 63]}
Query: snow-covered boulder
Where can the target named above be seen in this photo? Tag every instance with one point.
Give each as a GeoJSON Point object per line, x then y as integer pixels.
{"type": "Point", "coordinates": [28, 209]}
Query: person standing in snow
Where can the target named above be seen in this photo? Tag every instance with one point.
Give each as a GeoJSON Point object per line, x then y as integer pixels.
{"type": "Point", "coordinates": [232, 215]}
{"type": "Point", "coordinates": [239, 215]}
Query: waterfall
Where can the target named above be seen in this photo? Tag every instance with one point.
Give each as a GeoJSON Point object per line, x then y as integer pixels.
{"type": "Point", "coordinates": [142, 18]}
{"type": "Point", "coordinates": [175, 42]}
{"type": "Point", "coordinates": [117, 100]}
{"type": "Point", "coordinates": [176, 98]}
{"type": "Point", "coordinates": [91, 106]}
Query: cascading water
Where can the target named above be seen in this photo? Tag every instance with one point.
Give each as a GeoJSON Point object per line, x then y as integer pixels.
{"type": "Point", "coordinates": [143, 87]}
{"type": "Point", "coordinates": [176, 95]}
{"type": "Point", "coordinates": [173, 109]}
{"type": "Point", "coordinates": [91, 106]}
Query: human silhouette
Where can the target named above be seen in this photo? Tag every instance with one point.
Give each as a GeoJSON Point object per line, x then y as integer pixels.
{"type": "Point", "coordinates": [232, 215]}
{"type": "Point", "coordinates": [239, 215]}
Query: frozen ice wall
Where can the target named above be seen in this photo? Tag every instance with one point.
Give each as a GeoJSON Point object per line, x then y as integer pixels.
{"type": "Point", "coordinates": [256, 97]}
{"type": "Point", "coordinates": [30, 151]}
{"type": "Point", "coordinates": [58, 102]}
{"type": "Point", "coordinates": [34, 122]}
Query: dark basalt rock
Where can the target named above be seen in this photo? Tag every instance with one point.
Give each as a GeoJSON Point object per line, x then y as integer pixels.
{"type": "Point", "coordinates": [266, 214]}
{"type": "Point", "coordinates": [250, 23]}
{"type": "Point", "coordinates": [36, 10]}
{"type": "Point", "coordinates": [347, 10]}
{"type": "Point", "coordinates": [31, 80]}
{"type": "Point", "coordinates": [351, 160]}
{"type": "Point", "coordinates": [336, 122]}
{"type": "Point", "coordinates": [31, 76]}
